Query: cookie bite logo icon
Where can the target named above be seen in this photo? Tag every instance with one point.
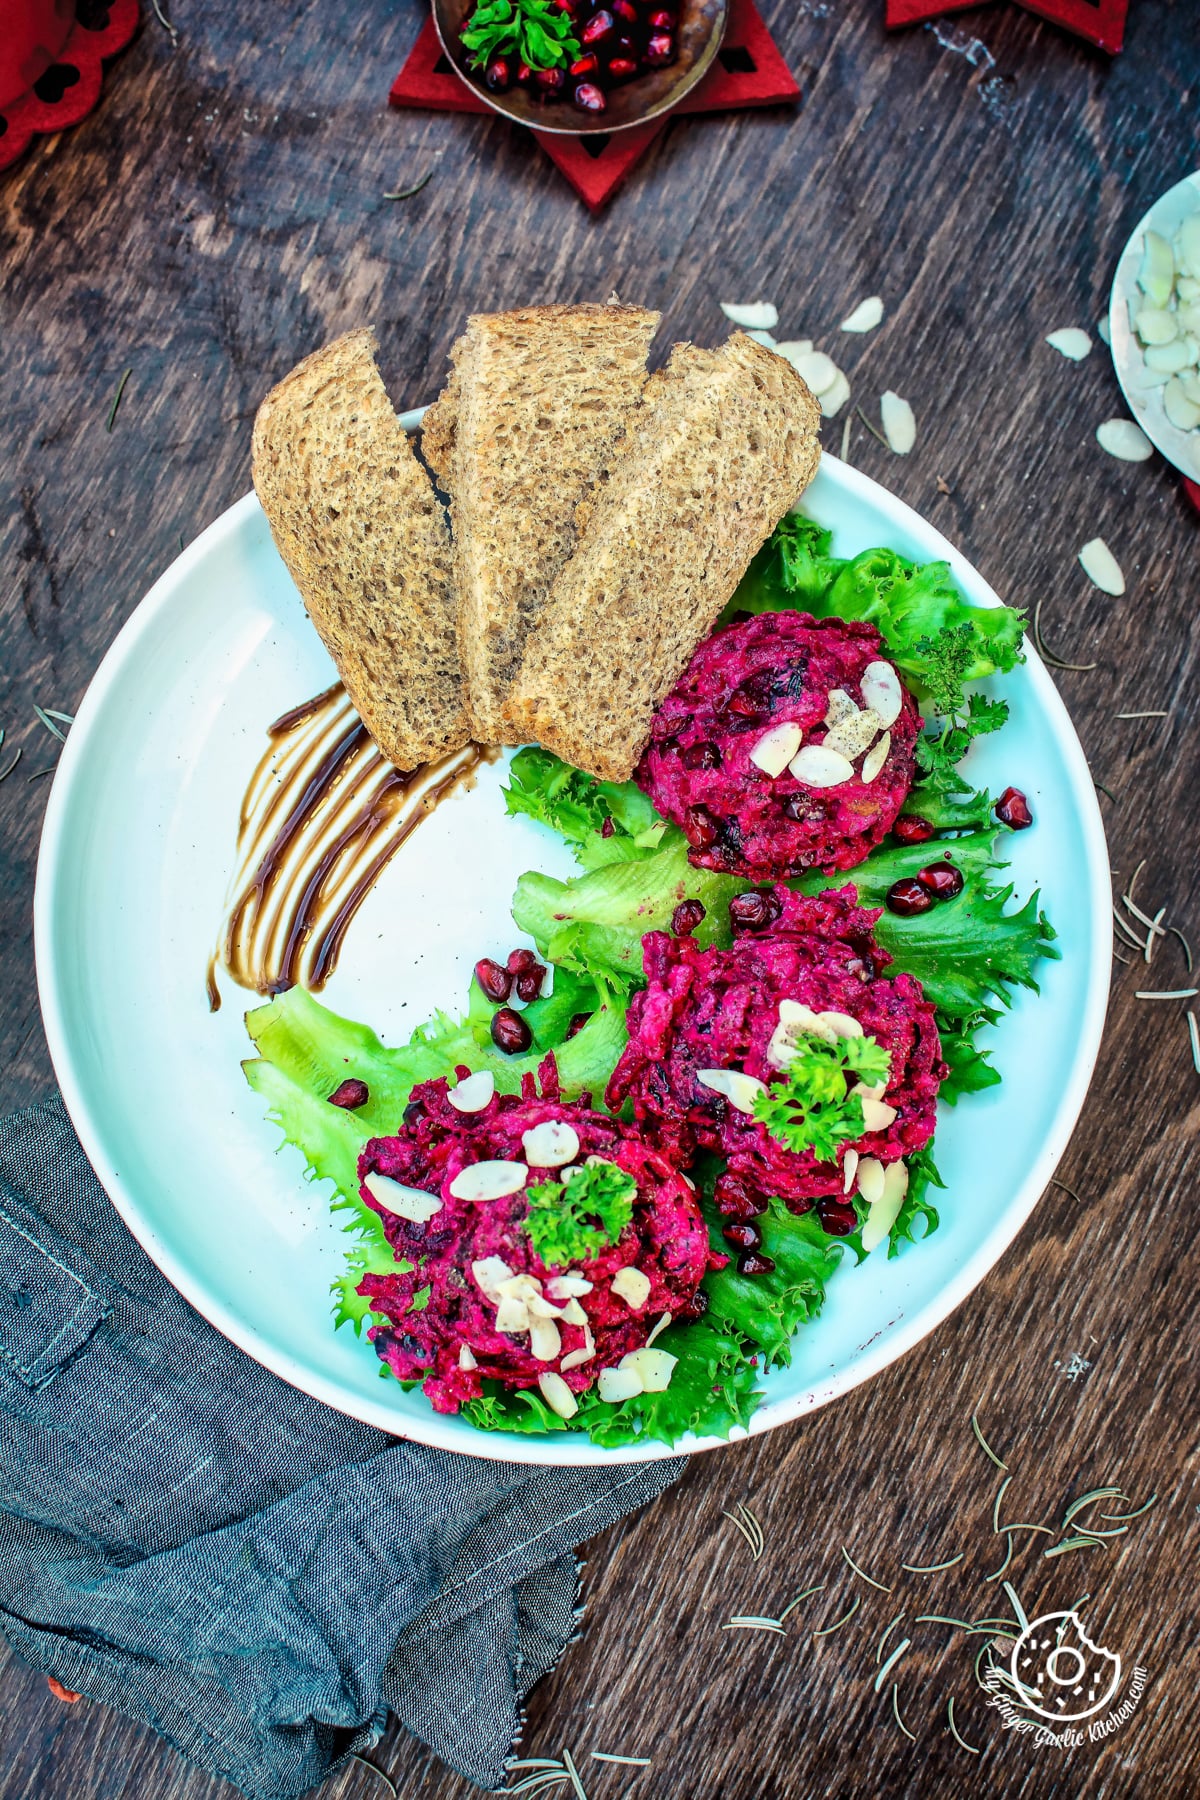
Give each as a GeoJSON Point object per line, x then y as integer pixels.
{"type": "Point", "coordinates": [1060, 1687]}
{"type": "Point", "coordinates": [1059, 1672]}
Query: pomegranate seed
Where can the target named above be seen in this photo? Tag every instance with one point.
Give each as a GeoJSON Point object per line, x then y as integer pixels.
{"type": "Point", "coordinates": [625, 9]}
{"type": "Point", "coordinates": [587, 65]}
{"type": "Point", "coordinates": [1012, 809]}
{"type": "Point", "coordinates": [578, 1021]}
{"type": "Point", "coordinates": [524, 75]}
{"type": "Point", "coordinates": [568, 6]}
{"type": "Point", "coordinates": [695, 1308]}
{"type": "Point", "coordinates": [622, 67]}
{"type": "Point", "coordinates": [351, 1094]}
{"type": "Point", "coordinates": [700, 827]}
{"type": "Point", "coordinates": [749, 912]}
{"type": "Point", "coordinates": [912, 830]}
{"type": "Point", "coordinates": [497, 76]}
{"type": "Point", "coordinates": [908, 898]}
{"type": "Point", "coordinates": [701, 756]}
{"type": "Point", "coordinates": [529, 983]}
{"type": "Point", "coordinates": [837, 1217]}
{"type": "Point", "coordinates": [495, 981]}
{"type": "Point", "coordinates": [660, 49]}
{"type": "Point", "coordinates": [753, 1262]}
{"type": "Point", "coordinates": [736, 1199]}
{"type": "Point", "coordinates": [510, 1033]}
{"type": "Point", "coordinates": [942, 880]}
{"type": "Point", "coordinates": [662, 20]}
{"type": "Point", "coordinates": [551, 81]}
{"type": "Point", "coordinates": [590, 98]}
{"type": "Point", "coordinates": [752, 700]}
{"type": "Point", "coordinates": [687, 915]}
{"type": "Point", "coordinates": [743, 1235]}
{"type": "Point", "coordinates": [601, 25]}
{"type": "Point", "coordinates": [520, 962]}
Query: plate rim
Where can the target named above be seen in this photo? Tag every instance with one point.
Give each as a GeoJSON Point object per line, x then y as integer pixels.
{"type": "Point", "coordinates": [566, 1450]}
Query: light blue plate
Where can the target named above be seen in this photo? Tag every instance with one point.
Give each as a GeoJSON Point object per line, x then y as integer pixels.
{"type": "Point", "coordinates": [137, 850]}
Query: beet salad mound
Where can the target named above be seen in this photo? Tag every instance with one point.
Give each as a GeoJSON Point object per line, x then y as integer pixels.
{"type": "Point", "coordinates": [787, 744]}
{"type": "Point", "coordinates": [539, 1244]}
{"type": "Point", "coordinates": [791, 1054]}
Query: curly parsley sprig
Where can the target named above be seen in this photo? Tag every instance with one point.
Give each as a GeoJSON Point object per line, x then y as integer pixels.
{"type": "Point", "coordinates": [572, 1220]}
{"type": "Point", "coordinates": [534, 31]}
{"type": "Point", "coordinates": [811, 1109]}
{"type": "Point", "coordinates": [948, 659]}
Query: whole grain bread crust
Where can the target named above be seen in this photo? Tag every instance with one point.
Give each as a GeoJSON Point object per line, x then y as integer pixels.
{"type": "Point", "coordinates": [356, 520]}
{"type": "Point", "coordinates": [722, 444]}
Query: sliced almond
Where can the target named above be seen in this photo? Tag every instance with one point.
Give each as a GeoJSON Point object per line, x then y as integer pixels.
{"type": "Point", "coordinates": [882, 692]}
{"type": "Point", "coordinates": [631, 1286]}
{"type": "Point", "coordinates": [818, 767]}
{"type": "Point", "coordinates": [1156, 277]}
{"type": "Point", "coordinates": [1103, 332]}
{"type": "Point", "coordinates": [1070, 342]}
{"type": "Point", "coordinates": [886, 1210]}
{"type": "Point", "coordinates": [874, 760]}
{"type": "Point", "coordinates": [575, 1359]}
{"type": "Point", "coordinates": [489, 1273]}
{"type": "Point", "coordinates": [557, 1395]}
{"type": "Point", "coordinates": [835, 397]}
{"type": "Point", "coordinates": [567, 1287]}
{"type": "Point", "coordinates": [753, 315]}
{"type": "Point", "coordinates": [1188, 245]}
{"type": "Point", "coordinates": [489, 1181]}
{"type": "Point", "coordinates": [866, 315]}
{"type": "Point", "coordinates": [1169, 359]}
{"type": "Point", "coordinates": [839, 706]}
{"type": "Point", "coordinates": [739, 1089]}
{"type": "Point", "coordinates": [410, 1203]}
{"type": "Point", "coordinates": [1124, 440]}
{"type": "Point", "coordinates": [551, 1144]}
{"type": "Point", "coordinates": [872, 1093]}
{"type": "Point", "coordinates": [870, 1179]}
{"type": "Point", "coordinates": [466, 1357]}
{"type": "Point", "coordinates": [854, 735]}
{"type": "Point", "coordinates": [794, 1012]}
{"type": "Point", "coordinates": [615, 1385]}
{"type": "Point", "coordinates": [663, 1320]}
{"type": "Point", "coordinates": [877, 1114]}
{"type": "Point", "coordinates": [545, 1340]}
{"type": "Point", "coordinates": [654, 1368]}
{"type": "Point", "coordinates": [816, 370]}
{"type": "Point", "coordinates": [841, 1024]}
{"type": "Point", "coordinates": [899, 422]}
{"type": "Point", "coordinates": [776, 748]}
{"type": "Point", "coordinates": [849, 1171]}
{"type": "Point", "coordinates": [1101, 567]}
{"type": "Point", "coordinates": [1183, 413]}
{"type": "Point", "coordinates": [1155, 325]}
{"type": "Point", "coordinates": [512, 1315]}
{"type": "Point", "coordinates": [520, 1287]}
{"type": "Point", "coordinates": [541, 1308]}
{"type": "Point", "coordinates": [473, 1094]}
{"type": "Point", "coordinates": [573, 1314]}
{"type": "Point", "coordinates": [794, 348]}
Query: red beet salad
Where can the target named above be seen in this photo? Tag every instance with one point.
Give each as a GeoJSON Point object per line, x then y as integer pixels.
{"type": "Point", "coordinates": [787, 744]}
{"type": "Point", "coordinates": [715, 1029]}
{"type": "Point", "coordinates": [539, 1243]}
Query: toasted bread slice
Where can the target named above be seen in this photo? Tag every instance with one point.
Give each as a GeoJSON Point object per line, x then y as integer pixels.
{"type": "Point", "coordinates": [356, 521]}
{"type": "Point", "coordinates": [525, 429]}
{"type": "Point", "coordinates": [722, 445]}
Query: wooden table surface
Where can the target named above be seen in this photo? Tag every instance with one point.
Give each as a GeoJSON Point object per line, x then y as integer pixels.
{"type": "Point", "coordinates": [220, 215]}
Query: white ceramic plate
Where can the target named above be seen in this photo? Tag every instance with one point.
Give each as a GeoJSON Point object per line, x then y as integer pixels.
{"type": "Point", "coordinates": [138, 847]}
{"type": "Point", "coordinates": [1146, 401]}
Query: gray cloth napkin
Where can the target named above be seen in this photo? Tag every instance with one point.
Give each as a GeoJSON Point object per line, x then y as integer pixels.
{"type": "Point", "coordinates": [191, 1541]}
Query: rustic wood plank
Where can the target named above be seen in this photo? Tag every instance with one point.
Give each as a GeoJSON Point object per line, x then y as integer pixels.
{"type": "Point", "coordinates": [222, 214]}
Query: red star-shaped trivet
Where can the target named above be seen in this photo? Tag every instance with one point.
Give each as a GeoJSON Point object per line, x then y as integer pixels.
{"type": "Point", "coordinates": [1101, 22]}
{"type": "Point", "coordinates": [70, 87]}
{"type": "Point", "coordinates": [749, 71]}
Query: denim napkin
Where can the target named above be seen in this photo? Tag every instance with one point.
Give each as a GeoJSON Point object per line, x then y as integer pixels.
{"type": "Point", "coordinates": [191, 1541]}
